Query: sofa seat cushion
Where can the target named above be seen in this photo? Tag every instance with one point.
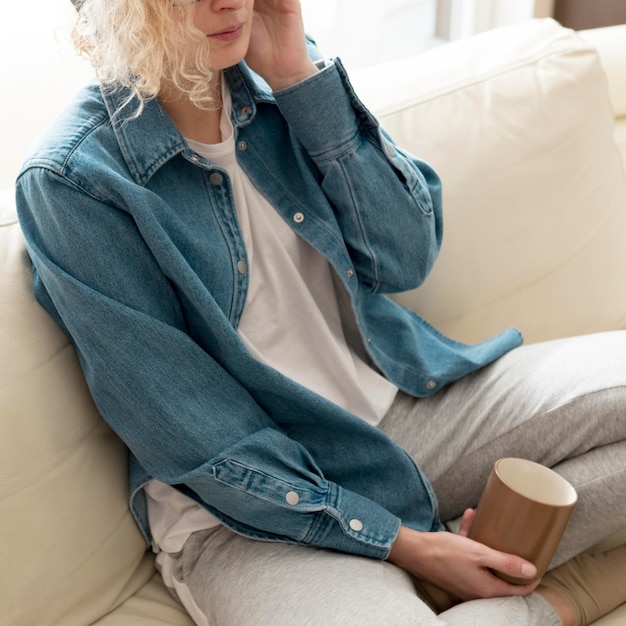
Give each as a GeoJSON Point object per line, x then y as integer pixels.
{"type": "Point", "coordinates": [615, 618]}
{"type": "Point", "coordinates": [533, 186]}
{"type": "Point", "coordinates": [152, 605]}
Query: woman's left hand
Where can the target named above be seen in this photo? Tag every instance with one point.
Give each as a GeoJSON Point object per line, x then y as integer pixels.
{"type": "Point", "coordinates": [452, 568]}
{"type": "Point", "coordinates": [277, 48]}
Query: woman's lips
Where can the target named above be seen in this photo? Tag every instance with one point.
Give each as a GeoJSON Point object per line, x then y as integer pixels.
{"type": "Point", "coordinates": [228, 34]}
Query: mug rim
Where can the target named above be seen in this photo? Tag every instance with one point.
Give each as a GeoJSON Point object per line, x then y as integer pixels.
{"type": "Point", "coordinates": [536, 482]}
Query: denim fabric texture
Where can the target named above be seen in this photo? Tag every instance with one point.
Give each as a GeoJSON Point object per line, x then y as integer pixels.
{"type": "Point", "coordinates": [138, 256]}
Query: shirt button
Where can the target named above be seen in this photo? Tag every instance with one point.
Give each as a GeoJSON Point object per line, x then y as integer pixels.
{"type": "Point", "coordinates": [216, 178]}
{"type": "Point", "coordinates": [242, 145]}
{"type": "Point", "coordinates": [356, 525]}
{"type": "Point", "coordinates": [195, 158]}
{"type": "Point", "coordinates": [292, 498]}
{"type": "Point", "coordinates": [242, 267]}
{"type": "Point", "coordinates": [431, 384]}
{"type": "Point", "coordinates": [350, 272]}
{"type": "Point", "coordinates": [298, 218]}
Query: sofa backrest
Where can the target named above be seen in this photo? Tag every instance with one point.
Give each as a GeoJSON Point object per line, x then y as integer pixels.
{"type": "Point", "coordinates": [519, 124]}
{"type": "Point", "coordinates": [69, 548]}
{"type": "Point", "coordinates": [610, 42]}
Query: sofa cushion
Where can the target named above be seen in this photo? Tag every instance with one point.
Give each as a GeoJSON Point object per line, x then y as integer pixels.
{"type": "Point", "coordinates": [620, 137]}
{"type": "Point", "coordinates": [69, 548]}
{"type": "Point", "coordinates": [610, 42]}
{"type": "Point", "coordinates": [519, 124]}
{"type": "Point", "coordinates": [152, 605]}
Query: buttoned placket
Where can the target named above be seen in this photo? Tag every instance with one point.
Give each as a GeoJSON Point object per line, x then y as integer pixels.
{"type": "Point", "coordinates": [222, 201]}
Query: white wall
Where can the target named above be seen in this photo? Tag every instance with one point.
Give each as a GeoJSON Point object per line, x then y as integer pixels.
{"type": "Point", "coordinates": [468, 17]}
{"type": "Point", "coordinates": [38, 73]}
{"type": "Point", "coordinates": [363, 32]}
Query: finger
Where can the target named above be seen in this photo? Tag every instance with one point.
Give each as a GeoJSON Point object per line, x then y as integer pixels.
{"type": "Point", "coordinates": [503, 588]}
{"type": "Point", "coordinates": [466, 522]}
{"type": "Point", "coordinates": [512, 565]}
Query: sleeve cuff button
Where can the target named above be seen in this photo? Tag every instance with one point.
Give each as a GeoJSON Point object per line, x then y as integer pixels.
{"type": "Point", "coordinates": [292, 498]}
{"type": "Point", "coordinates": [356, 525]}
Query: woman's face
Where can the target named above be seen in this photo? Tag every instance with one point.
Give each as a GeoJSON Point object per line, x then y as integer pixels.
{"type": "Point", "coordinates": [227, 25]}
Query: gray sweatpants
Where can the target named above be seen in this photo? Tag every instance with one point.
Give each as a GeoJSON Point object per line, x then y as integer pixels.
{"type": "Point", "coordinates": [560, 403]}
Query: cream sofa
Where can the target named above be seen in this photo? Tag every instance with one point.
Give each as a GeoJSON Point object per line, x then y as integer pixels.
{"type": "Point", "coordinates": [521, 124]}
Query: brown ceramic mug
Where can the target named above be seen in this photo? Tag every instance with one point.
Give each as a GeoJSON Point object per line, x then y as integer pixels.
{"type": "Point", "coordinates": [523, 510]}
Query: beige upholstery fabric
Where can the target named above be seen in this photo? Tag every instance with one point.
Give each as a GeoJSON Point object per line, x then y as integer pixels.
{"type": "Point", "coordinates": [152, 605]}
{"type": "Point", "coordinates": [616, 618]}
{"type": "Point", "coordinates": [610, 42]}
{"type": "Point", "coordinates": [69, 548]}
{"type": "Point", "coordinates": [535, 211]}
{"type": "Point", "coordinates": [620, 137]}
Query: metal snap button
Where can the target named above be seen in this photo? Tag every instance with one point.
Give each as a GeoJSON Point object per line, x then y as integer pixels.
{"type": "Point", "coordinates": [242, 267]}
{"type": "Point", "coordinates": [292, 498]}
{"type": "Point", "coordinates": [216, 178]}
{"type": "Point", "coordinates": [298, 218]}
{"type": "Point", "coordinates": [356, 525]}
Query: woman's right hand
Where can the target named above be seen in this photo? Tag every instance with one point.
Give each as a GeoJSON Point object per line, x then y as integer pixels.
{"type": "Point", "coordinates": [278, 49]}
{"type": "Point", "coordinates": [458, 566]}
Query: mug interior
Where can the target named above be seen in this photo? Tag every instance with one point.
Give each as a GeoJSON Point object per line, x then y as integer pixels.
{"type": "Point", "coordinates": [536, 482]}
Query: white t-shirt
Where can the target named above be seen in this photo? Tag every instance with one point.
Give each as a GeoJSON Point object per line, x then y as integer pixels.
{"type": "Point", "coordinates": [297, 318]}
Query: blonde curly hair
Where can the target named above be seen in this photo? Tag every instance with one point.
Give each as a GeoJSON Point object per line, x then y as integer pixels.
{"type": "Point", "coordinates": [145, 45]}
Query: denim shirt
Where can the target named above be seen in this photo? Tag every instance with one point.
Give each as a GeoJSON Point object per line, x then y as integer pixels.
{"type": "Point", "coordinates": [138, 256]}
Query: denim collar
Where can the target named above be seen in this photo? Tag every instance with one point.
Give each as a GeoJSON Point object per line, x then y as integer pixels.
{"type": "Point", "coordinates": [247, 90]}
{"type": "Point", "coordinates": [152, 139]}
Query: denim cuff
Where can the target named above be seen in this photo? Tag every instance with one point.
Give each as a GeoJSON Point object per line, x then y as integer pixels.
{"type": "Point", "coordinates": [320, 111]}
{"type": "Point", "coordinates": [354, 524]}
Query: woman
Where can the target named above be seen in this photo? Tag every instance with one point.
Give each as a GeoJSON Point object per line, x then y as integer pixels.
{"type": "Point", "coordinates": [215, 226]}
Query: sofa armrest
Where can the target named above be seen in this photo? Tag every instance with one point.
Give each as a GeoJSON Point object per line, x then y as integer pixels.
{"type": "Point", "coordinates": [610, 42]}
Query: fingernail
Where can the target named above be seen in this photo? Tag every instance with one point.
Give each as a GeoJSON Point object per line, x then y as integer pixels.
{"type": "Point", "coordinates": [528, 570]}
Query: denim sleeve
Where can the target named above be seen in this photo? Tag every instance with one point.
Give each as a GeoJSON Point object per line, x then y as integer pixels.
{"type": "Point", "coordinates": [186, 419]}
{"type": "Point", "coordinates": [388, 203]}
